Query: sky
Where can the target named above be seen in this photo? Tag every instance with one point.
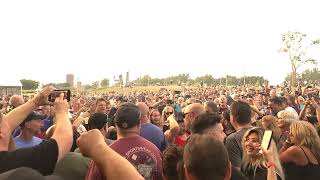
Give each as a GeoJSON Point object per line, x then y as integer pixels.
{"type": "Point", "coordinates": [45, 40]}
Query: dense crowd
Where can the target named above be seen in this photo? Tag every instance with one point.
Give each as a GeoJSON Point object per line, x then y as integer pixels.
{"type": "Point", "coordinates": [194, 134]}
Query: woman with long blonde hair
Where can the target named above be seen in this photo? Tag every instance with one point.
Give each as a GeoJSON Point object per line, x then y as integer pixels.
{"type": "Point", "coordinates": [269, 123]}
{"type": "Point", "coordinates": [167, 111]}
{"type": "Point", "coordinates": [254, 165]}
{"type": "Point", "coordinates": [301, 154]}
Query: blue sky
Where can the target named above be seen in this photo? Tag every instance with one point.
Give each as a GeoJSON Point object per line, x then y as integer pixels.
{"type": "Point", "coordinates": [45, 40]}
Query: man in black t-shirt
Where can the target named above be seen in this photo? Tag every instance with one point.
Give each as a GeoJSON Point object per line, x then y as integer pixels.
{"type": "Point", "coordinates": [210, 124]}
{"type": "Point", "coordinates": [44, 156]}
{"type": "Point", "coordinates": [240, 119]}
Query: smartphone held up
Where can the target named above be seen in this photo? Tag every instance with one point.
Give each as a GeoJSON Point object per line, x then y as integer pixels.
{"type": "Point", "coordinates": [266, 140]}
{"type": "Point", "coordinates": [56, 93]}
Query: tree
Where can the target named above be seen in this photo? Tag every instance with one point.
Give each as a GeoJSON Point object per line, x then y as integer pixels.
{"type": "Point", "coordinates": [95, 84]}
{"type": "Point", "coordinates": [207, 79]}
{"type": "Point", "coordinates": [311, 76]}
{"type": "Point", "coordinates": [59, 85]}
{"type": "Point", "coordinates": [87, 86]}
{"type": "Point", "coordinates": [143, 80]}
{"type": "Point", "coordinates": [63, 85]}
{"type": "Point", "coordinates": [29, 84]}
{"type": "Point", "coordinates": [104, 82]}
{"type": "Point", "coordinates": [296, 45]}
{"type": "Point", "coordinates": [307, 77]}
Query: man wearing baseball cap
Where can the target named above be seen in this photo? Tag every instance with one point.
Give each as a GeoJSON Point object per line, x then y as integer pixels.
{"type": "Point", "coordinates": [29, 128]}
{"type": "Point", "coordinates": [144, 155]}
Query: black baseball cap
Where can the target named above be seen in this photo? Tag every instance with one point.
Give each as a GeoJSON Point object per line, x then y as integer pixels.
{"type": "Point", "coordinates": [127, 116]}
{"type": "Point", "coordinates": [33, 116]}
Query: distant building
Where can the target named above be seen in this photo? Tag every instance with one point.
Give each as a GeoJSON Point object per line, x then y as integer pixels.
{"type": "Point", "coordinates": [70, 79]}
{"type": "Point", "coordinates": [120, 80]}
{"type": "Point", "coordinates": [127, 79]}
{"type": "Point", "coordinates": [10, 87]}
{"type": "Point", "coordinates": [78, 84]}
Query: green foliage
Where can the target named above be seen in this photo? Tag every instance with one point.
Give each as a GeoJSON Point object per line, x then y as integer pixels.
{"type": "Point", "coordinates": [206, 79]}
{"type": "Point", "coordinates": [104, 83]}
{"type": "Point", "coordinates": [87, 86]}
{"type": "Point", "coordinates": [297, 45]}
{"type": "Point", "coordinates": [95, 84]}
{"type": "Point", "coordinates": [29, 84]}
{"type": "Point", "coordinates": [311, 76]}
{"type": "Point", "coordinates": [308, 76]}
{"type": "Point", "coordinates": [59, 85]}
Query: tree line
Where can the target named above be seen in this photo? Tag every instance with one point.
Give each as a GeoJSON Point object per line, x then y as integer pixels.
{"type": "Point", "coordinates": [309, 76]}
{"type": "Point", "coordinates": [185, 79]}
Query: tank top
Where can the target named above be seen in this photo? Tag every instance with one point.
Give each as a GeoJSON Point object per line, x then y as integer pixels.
{"type": "Point", "coordinates": [309, 171]}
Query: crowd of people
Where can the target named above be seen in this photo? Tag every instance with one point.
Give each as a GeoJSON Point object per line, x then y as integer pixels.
{"type": "Point", "coordinates": [194, 134]}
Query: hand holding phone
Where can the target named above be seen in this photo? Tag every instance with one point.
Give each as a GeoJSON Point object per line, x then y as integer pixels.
{"type": "Point", "coordinates": [266, 140]}
{"type": "Point", "coordinates": [56, 93]}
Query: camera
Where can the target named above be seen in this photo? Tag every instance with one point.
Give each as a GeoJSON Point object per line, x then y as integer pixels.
{"type": "Point", "coordinates": [56, 93]}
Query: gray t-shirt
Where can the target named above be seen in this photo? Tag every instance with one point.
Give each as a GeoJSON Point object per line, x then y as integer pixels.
{"type": "Point", "coordinates": [234, 147]}
{"type": "Point", "coordinates": [72, 166]}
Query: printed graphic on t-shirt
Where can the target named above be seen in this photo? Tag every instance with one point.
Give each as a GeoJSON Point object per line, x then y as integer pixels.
{"type": "Point", "coordinates": [143, 160]}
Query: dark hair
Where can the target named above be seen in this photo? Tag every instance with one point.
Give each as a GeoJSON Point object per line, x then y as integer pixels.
{"type": "Point", "coordinates": [97, 121]}
{"type": "Point", "coordinates": [241, 111]}
{"type": "Point", "coordinates": [169, 101]}
{"type": "Point", "coordinates": [226, 115]}
{"type": "Point", "coordinates": [127, 116]}
{"type": "Point", "coordinates": [205, 121]}
{"type": "Point", "coordinates": [213, 106]}
{"type": "Point", "coordinates": [283, 100]}
{"type": "Point", "coordinates": [172, 163]}
{"type": "Point", "coordinates": [101, 99]}
{"type": "Point", "coordinates": [206, 158]}
{"type": "Point", "coordinates": [179, 116]}
{"type": "Point", "coordinates": [292, 98]}
{"type": "Point", "coordinates": [276, 100]}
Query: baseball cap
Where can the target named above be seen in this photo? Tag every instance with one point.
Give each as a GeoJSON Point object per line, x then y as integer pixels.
{"type": "Point", "coordinates": [33, 116]}
{"type": "Point", "coordinates": [97, 120]}
{"type": "Point", "coordinates": [127, 116]}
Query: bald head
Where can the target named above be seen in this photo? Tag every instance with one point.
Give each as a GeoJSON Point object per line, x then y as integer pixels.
{"type": "Point", "coordinates": [143, 108]}
{"type": "Point", "coordinates": [144, 111]}
{"type": "Point", "coordinates": [196, 109]}
{"type": "Point", "coordinates": [16, 101]}
{"type": "Point", "coordinates": [191, 112]}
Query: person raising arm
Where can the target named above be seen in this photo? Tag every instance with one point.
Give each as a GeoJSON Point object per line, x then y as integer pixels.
{"type": "Point", "coordinates": [112, 165]}
{"type": "Point", "coordinates": [44, 156]}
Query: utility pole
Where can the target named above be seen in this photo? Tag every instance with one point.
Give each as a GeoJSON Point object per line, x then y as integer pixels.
{"type": "Point", "coordinates": [244, 79]}
{"type": "Point", "coordinates": [227, 80]}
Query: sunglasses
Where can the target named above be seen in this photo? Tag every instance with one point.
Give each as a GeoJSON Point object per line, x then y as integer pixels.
{"type": "Point", "coordinates": [185, 114]}
{"type": "Point", "coordinates": [168, 113]}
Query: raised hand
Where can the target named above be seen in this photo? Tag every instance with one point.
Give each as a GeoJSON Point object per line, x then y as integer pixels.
{"type": "Point", "coordinates": [42, 97]}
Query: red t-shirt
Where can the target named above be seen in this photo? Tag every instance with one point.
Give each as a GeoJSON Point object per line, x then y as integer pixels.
{"type": "Point", "coordinates": [181, 141]}
{"type": "Point", "coordinates": [141, 153]}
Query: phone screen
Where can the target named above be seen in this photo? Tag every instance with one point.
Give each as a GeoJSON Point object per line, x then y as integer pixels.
{"type": "Point", "coordinates": [56, 93]}
{"type": "Point", "coordinates": [266, 139]}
